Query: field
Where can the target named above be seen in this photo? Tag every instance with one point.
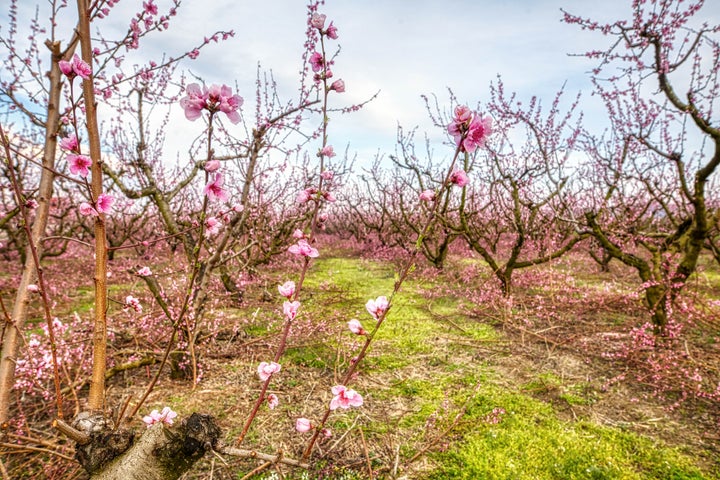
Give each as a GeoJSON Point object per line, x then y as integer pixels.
{"type": "Point", "coordinates": [460, 383]}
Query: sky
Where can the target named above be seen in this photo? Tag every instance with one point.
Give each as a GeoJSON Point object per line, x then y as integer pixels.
{"type": "Point", "coordinates": [399, 48]}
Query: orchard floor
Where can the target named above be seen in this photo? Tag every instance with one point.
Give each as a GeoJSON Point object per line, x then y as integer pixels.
{"type": "Point", "coordinates": [459, 383]}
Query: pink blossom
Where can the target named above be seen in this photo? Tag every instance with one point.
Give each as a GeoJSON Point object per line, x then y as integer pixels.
{"type": "Point", "coordinates": [317, 62]}
{"type": "Point", "coordinates": [31, 204]}
{"type": "Point", "coordinates": [214, 189]}
{"type": "Point", "coordinates": [290, 309]}
{"type": "Point", "coordinates": [272, 401]}
{"type": "Point", "coordinates": [216, 98]}
{"type": "Point", "coordinates": [327, 175]}
{"type": "Point", "coordinates": [317, 20]}
{"type": "Point", "coordinates": [87, 210]}
{"type": "Point", "coordinates": [166, 417]}
{"type": "Point", "coordinates": [79, 164]}
{"type": "Point", "coordinates": [144, 272]}
{"type": "Point", "coordinates": [377, 307]}
{"type": "Point", "coordinates": [427, 195]}
{"type": "Point", "coordinates": [345, 398]}
{"type": "Point", "coordinates": [338, 85]}
{"type": "Point", "coordinates": [75, 67]}
{"type": "Point", "coordinates": [332, 31]}
{"type": "Point", "coordinates": [66, 68]}
{"type": "Point", "coordinates": [306, 195]}
{"type": "Point", "coordinates": [134, 303]}
{"type": "Point", "coordinates": [329, 197]}
{"type": "Point", "coordinates": [478, 131]}
{"type": "Point", "coordinates": [70, 143]}
{"type": "Point", "coordinates": [287, 289]}
{"type": "Point", "coordinates": [462, 114]}
{"type": "Point", "coordinates": [266, 370]}
{"type": "Point", "coordinates": [459, 178]}
{"type": "Point", "coordinates": [104, 203]}
{"type": "Point", "coordinates": [298, 233]}
{"type": "Point", "coordinates": [150, 8]}
{"type": "Point", "coordinates": [469, 130]}
{"type": "Point", "coordinates": [356, 327]}
{"type": "Point", "coordinates": [304, 249]}
{"type": "Point", "coordinates": [194, 53]}
{"type": "Point", "coordinates": [212, 166]}
{"type": "Point", "coordinates": [303, 425]}
{"type": "Point", "coordinates": [33, 288]}
{"type": "Point", "coordinates": [327, 151]}
{"type": "Point", "coordinates": [194, 102]}
{"type": "Point", "coordinates": [326, 432]}
{"type": "Point", "coordinates": [212, 226]}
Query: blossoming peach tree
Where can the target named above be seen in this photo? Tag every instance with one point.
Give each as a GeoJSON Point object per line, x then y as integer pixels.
{"type": "Point", "coordinates": [105, 447]}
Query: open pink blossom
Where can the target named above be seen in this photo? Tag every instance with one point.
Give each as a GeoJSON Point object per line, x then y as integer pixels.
{"type": "Point", "coordinates": [469, 130]}
{"type": "Point", "coordinates": [478, 131]}
{"type": "Point", "coordinates": [134, 303]}
{"type": "Point", "coordinates": [87, 210]}
{"type": "Point", "coordinates": [212, 227]}
{"type": "Point", "coordinates": [303, 425]}
{"type": "Point", "coordinates": [266, 370]}
{"type": "Point", "coordinates": [287, 289]}
{"type": "Point", "coordinates": [70, 143]}
{"type": "Point", "coordinates": [317, 20]}
{"type": "Point", "coordinates": [356, 327]}
{"type": "Point", "coordinates": [303, 249]}
{"type": "Point", "coordinates": [459, 178]}
{"type": "Point", "coordinates": [166, 416]}
{"type": "Point", "coordinates": [216, 98]}
{"type": "Point", "coordinates": [104, 203]}
{"type": "Point", "coordinates": [338, 85]}
{"type": "Point", "coordinates": [332, 31]}
{"type": "Point", "coordinates": [427, 195]}
{"type": "Point", "coordinates": [317, 62]}
{"type": "Point", "coordinates": [75, 67]}
{"type": "Point", "coordinates": [298, 233]}
{"type": "Point", "coordinates": [150, 8]}
{"type": "Point", "coordinates": [290, 309]}
{"type": "Point", "coordinates": [194, 102]}
{"type": "Point", "coordinates": [327, 175]}
{"type": "Point", "coordinates": [377, 307]}
{"type": "Point", "coordinates": [345, 398]}
{"type": "Point", "coordinates": [79, 164]}
{"type": "Point", "coordinates": [272, 401]}
{"type": "Point", "coordinates": [144, 272]}
{"type": "Point", "coordinates": [214, 189]}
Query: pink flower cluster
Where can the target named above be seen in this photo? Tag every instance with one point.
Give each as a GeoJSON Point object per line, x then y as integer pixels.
{"type": "Point", "coordinates": [214, 99]}
{"type": "Point", "coordinates": [104, 204]}
{"type": "Point", "coordinates": [166, 416]}
{"type": "Point", "coordinates": [345, 398]}
{"type": "Point", "coordinates": [266, 370]}
{"type": "Point", "coordinates": [469, 130]}
{"type": "Point", "coordinates": [75, 67]}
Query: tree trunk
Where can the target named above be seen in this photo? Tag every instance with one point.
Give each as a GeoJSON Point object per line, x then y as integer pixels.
{"type": "Point", "coordinates": [161, 453]}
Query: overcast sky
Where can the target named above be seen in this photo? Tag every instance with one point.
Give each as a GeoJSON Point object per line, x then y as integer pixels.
{"type": "Point", "coordinates": [401, 48]}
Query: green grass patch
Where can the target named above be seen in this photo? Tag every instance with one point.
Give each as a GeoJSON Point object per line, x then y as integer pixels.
{"type": "Point", "coordinates": [530, 442]}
